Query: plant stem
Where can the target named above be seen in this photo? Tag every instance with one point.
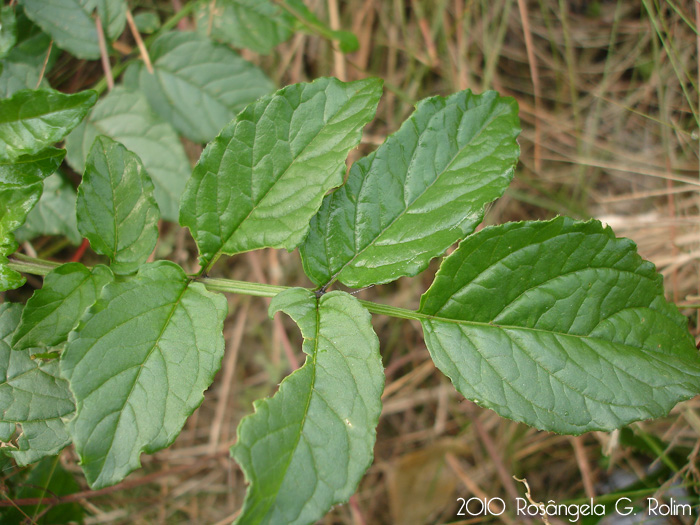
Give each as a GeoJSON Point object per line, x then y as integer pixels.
{"type": "Point", "coordinates": [23, 263]}
{"type": "Point", "coordinates": [31, 265]}
{"type": "Point", "coordinates": [171, 22]}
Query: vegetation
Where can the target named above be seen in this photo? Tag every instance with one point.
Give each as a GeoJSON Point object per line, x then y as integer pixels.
{"type": "Point", "coordinates": [555, 323]}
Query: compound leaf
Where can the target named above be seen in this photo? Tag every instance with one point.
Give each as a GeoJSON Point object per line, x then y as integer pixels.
{"type": "Point", "coordinates": [54, 214]}
{"type": "Point", "coordinates": [418, 193]}
{"type": "Point", "coordinates": [21, 183]}
{"type": "Point", "coordinates": [138, 365]}
{"type": "Point", "coordinates": [116, 209]}
{"type": "Point", "coordinates": [33, 120]}
{"type": "Point", "coordinates": [71, 25]}
{"type": "Point", "coordinates": [306, 448]}
{"type": "Point", "coordinates": [55, 309]}
{"type": "Point", "coordinates": [32, 394]}
{"type": "Point", "coordinates": [198, 85]}
{"type": "Point", "coordinates": [559, 325]}
{"type": "Point", "coordinates": [262, 179]}
{"type": "Point", "coordinates": [258, 25]}
{"type": "Point", "coordinates": [125, 117]}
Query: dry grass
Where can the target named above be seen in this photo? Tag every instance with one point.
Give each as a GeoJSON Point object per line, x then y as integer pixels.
{"type": "Point", "coordinates": [609, 108]}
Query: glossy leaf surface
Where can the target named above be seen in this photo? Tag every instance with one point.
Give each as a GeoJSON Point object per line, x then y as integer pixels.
{"type": "Point", "coordinates": [418, 193]}
{"type": "Point", "coordinates": [55, 309]}
{"type": "Point", "coordinates": [306, 448]}
{"type": "Point", "coordinates": [138, 366]}
{"type": "Point", "coordinates": [71, 24]}
{"type": "Point", "coordinates": [116, 209]}
{"type": "Point", "coordinates": [258, 25]}
{"type": "Point", "coordinates": [198, 85]}
{"type": "Point", "coordinates": [125, 116]}
{"type": "Point", "coordinates": [262, 179]}
{"type": "Point", "coordinates": [559, 325]}
{"type": "Point", "coordinates": [33, 120]}
{"type": "Point", "coordinates": [32, 394]}
{"type": "Point", "coordinates": [21, 183]}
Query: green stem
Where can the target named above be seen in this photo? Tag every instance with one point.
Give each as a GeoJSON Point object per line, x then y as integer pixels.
{"type": "Point", "coordinates": [241, 287]}
{"type": "Point", "coordinates": [23, 263]}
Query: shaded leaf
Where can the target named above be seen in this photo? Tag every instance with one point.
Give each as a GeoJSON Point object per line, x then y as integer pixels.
{"type": "Point", "coordinates": [33, 120]}
{"type": "Point", "coordinates": [560, 325]}
{"type": "Point", "coordinates": [262, 179]}
{"type": "Point", "coordinates": [138, 366]}
{"type": "Point", "coordinates": [347, 41]}
{"type": "Point", "coordinates": [197, 85]}
{"type": "Point", "coordinates": [32, 394]}
{"type": "Point", "coordinates": [147, 22]}
{"type": "Point", "coordinates": [113, 16]}
{"type": "Point", "coordinates": [55, 309]}
{"type": "Point", "coordinates": [16, 76]}
{"type": "Point", "coordinates": [54, 214]}
{"type": "Point", "coordinates": [45, 480]}
{"type": "Point", "coordinates": [125, 117]}
{"type": "Point", "coordinates": [21, 68]}
{"type": "Point", "coordinates": [32, 44]}
{"type": "Point", "coordinates": [258, 25]}
{"type": "Point", "coordinates": [116, 210]}
{"type": "Point", "coordinates": [306, 448]}
{"type": "Point", "coordinates": [8, 29]}
{"type": "Point", "coordinates": [70, 22]}
{"type": "Point", "coordinates": [418, 193]}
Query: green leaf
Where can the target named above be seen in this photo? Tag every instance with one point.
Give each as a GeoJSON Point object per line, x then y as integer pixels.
{"type": "Point", "coordinates": [71, 25]}
{"type": "Point", "coordinates": [147, 22]}
{"type": "Point", "coordinates": [560, 325]}
{"type": "Point", "coordinates": [21, 184]}
{"type": "Point", "coordinates": [262, 179]}
{"type": "Point", "coordinates": [32, 45]}
{"type": "Point", "coordinates": [30, 169]}
{"type": "Point", "coordinates": [16, 76]}
{"type": "Point", "coordinates": [197, 85]}
{"type": "Point", "coordinates": [32, 394]}
{"type": "Point", "coordinates": [418, 193]}
{"type": "Point", "coordinates": [258, 25]}
{"type": "Point", "coordinates": [15, 204]}
{"type": "Point", "coordinates": [32, 120]}
{"type": "Point", "coordinates": [347, 41]}
{"type": "Point", "coordinates": [21, 68]}
{"type": "Point", "coordinates": [116, 210]}
{"type": "Point", "coordinates": [125, 117]}
{"type": "Point", "coordinates": [306, 448]}
{"type": "Point", "coordinates": [113, 16]}
{"type": "Point", "coordinates": [55, 309]}
{"type": "Point", "coordinates": [46, 479]}
{"type": "Point", "coordinates": [54, 214]}
{"type": "Point", "coordinates": [8, 30]}
{"type": "Point", "coordinates": [138, 366]}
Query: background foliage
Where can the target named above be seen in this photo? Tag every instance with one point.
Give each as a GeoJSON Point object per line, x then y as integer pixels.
{"type": "Point", "coordinates": [609, 105]}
